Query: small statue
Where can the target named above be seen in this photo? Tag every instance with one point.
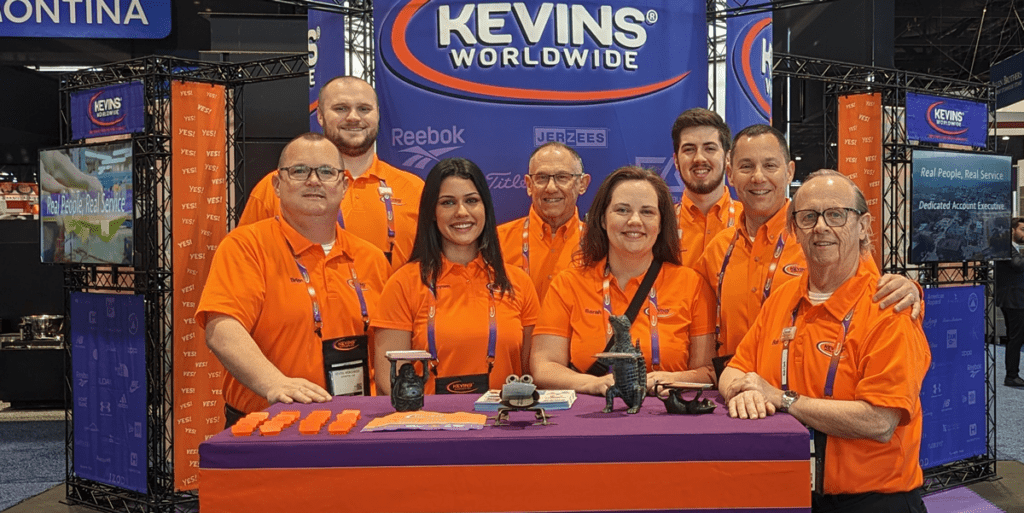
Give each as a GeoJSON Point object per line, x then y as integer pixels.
{"type": "Point", "coordinates": [407, 387]}
{"type": "Point", "coordinates": [519, 394]}
{"type": "Point", "coordinates": [675, 403]}
{"type": "Point", "coordinates": [630, 373]}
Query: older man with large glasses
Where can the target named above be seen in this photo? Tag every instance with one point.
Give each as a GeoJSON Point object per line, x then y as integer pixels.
{"type": "Point", "coordinates": [542, 243]}
{"type": "Point", "coordinates": [286, 293]}
{"type": "Point", "coordinates": [822, 351]}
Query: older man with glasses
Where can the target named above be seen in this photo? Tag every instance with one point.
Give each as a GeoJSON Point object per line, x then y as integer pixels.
{"type": "Point", "coordinates": [286, 295]}
{"type": "Point", "coordinates": [822, 351]}
{"type": "Point", "coordinates": [542, 243]}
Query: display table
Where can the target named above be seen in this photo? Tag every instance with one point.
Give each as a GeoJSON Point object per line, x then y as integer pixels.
{"type": "Point", "coordinates": [584, 461]}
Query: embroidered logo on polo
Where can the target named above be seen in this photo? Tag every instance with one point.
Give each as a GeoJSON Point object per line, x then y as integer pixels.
{"type": "Point", "coordinates": [362, 286]}
{"type": "Point", "coordinates": [827, 347]}
{"type": "Point", "coordinates": [793, 270]}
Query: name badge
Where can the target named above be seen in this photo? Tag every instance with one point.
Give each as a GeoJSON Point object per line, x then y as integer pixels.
{"type": "Point", "coordinates": [788, 333]}
{"type": "Point", "coordinates": [385, 192]}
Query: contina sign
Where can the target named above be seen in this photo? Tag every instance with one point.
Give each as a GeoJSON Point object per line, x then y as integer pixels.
{"type": "Point", "coordinates": [533, 52]}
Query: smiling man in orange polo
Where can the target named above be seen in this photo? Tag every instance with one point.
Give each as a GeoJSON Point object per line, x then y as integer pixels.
{"type": "Point", "coordinates": [288, 301]}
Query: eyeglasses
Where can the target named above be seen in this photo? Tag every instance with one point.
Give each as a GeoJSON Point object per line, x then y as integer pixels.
{"type": "Point", "coordinates": [834, 217]}
{"type": "Point", "coordinates": [302, 172]}
{"type": "Point", "coordinates": [561, 179]}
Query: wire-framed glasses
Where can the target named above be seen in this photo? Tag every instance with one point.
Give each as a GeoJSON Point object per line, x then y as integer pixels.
{"type": "Point", "coordinates": [834, 217]}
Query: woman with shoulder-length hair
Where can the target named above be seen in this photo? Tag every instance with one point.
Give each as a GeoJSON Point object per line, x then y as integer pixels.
{"type": "Point", "coordinates": [455, 298]}
{"type": "Point", "coordinates": [631, 230]}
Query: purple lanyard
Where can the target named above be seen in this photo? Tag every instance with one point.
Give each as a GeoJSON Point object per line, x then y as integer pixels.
{"type": "Point", "coordinates": [317, 318]}
{"type": "Point", "coordinates": [652, 305]}
{"type": "Point", "coordinates": [385, 195]}
{"type": "Point", "coordinates": [526, 243]}
{"type": "Point", "coordinates": [767, 289]}
{"type": "Point", "coordinates": [788, 334]}
{"type": "Point", "coordinates": [492, 332]}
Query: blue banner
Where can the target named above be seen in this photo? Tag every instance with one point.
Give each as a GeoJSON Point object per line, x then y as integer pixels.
{"type": "Point", "coordinates": [748, 83]}
{"type": "Point", "coordinates": [1007, 77]}
{"type": "Point", "coordinates": [94, 19]}
{"type": "Point", "coordinates": [111, 110]}
{"type": "Point", "coordinates": [108, 361]}
{"type": "Point", "coordinates": [325, 40]}
{"type": "Point", "coordinates": [953, 394]}
{"type": "Point", "coordinates": [946, 120]}
{"type": "Point", "coordinates": [491, 82]}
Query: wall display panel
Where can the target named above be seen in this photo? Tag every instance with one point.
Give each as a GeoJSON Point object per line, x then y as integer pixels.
{"type": "Point", "coordinates": [960, 206]}
{"type": "Point", "coordinates": [86, 204]}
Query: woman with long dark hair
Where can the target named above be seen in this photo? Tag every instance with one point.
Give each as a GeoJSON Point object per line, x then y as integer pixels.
{"type": "Point", "coordinates": [631, 231]}
{"type": "Point", "coordinates": [455, 298]}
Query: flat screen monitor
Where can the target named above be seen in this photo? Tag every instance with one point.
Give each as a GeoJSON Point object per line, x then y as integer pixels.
{"type": "Point", "coordinates": [960, 206]}
{"type": "Point", "coordinates": [86, 208]}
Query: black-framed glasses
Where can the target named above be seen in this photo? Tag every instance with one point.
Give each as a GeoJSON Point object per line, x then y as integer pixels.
{"type": "Point", "coordinates": [834, 217]}
{"type": "Point", "coordinates": [302, 172]}
{"type": "Point", "coordinates": [561, 179]}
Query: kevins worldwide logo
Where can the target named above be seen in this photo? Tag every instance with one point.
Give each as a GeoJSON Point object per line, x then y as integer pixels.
{"type": "Point", "coordinates": [946, 121]}
{"type": "Point", "coordinates": [547, 53]}
{"type": "Point", "coordinates": [752, 63]}
{"type": "Point", "coordinates": [105, 108]}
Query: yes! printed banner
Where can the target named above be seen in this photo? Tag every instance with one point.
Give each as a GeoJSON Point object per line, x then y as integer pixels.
{"type": "Point", "coordinates": [492, 81]}
{"type": "Point", "coordinates": [947, 120]}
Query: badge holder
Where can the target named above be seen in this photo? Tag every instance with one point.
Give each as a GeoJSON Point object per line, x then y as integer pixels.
{"type": "Point", "coordinates": [347, 365]}
{"type": "Point", "coordinates": [407, 387]}
{"type": "Point", "coordinates": [520, 394]}
{"type": "Point", "coordinates": [674, 402]}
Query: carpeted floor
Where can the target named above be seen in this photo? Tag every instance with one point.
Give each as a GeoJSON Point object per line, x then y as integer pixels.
{"type": "Point", "coordinates": [32, 460]}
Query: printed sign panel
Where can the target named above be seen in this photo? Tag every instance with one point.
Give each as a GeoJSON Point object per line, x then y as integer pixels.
{"type": "Point", "coordinates": [112, 110]}
{"type": "Point", "coordinates": [108, 362]}
{"type": "Point", "coordinates": [960, 207]}
{"type": "Point", "coordinates": [492, 81]}
{"type": "Point", "coordinates": [325, 41]}
{"type": "Point", "coordinates": [748, 85]}
{"type": "Point", "coordinates": [953, 394]}
{"type": "Point", "coordinates": [947, 120]}
{"type": "Point", "coordinates": [119, 19]}
{"type": "Point", "coordinates": [1008, 79]}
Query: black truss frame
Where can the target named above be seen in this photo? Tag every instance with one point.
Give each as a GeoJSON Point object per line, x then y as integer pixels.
{"type": "Point", "coordinates": [151, 275]}
{"type": "Point", "coordinates": [844, 78]}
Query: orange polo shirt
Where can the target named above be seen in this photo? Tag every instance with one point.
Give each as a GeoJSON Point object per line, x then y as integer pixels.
{"type": "Point", "coordinates": [748, 271]}
{"type": "Point", "coordinates": [254, 279]}
{"type": "Point", "coordinates": [574, 309]}
{"type": "Point", "coordinates": [362, 207]}
{"type": "Point", "coordinates": [696, 229]}
{"type": "Point", "coordinates": [462, 321]}
{"type": "Point", "coordinates": [549, 252]}
{"type": "Point", "coordinates": [884, 360]}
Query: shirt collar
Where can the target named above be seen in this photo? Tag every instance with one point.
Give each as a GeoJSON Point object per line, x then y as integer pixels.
{"type": "Point", "coordinates": [846, 296]}
{"type": "Point", "coordinates": [572, 224]}
{"type": "Point", "coordinates": [775, 225]}
{"type": "Point", "coordinates": [720, 206]}
{"type": "Point", "coordinates": [300, 244]}
{"type": "Point", "coordinates": [475, 266]}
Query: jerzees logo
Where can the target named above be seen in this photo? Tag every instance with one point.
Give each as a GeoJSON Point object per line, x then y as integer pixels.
{"type": "Point", "coordinates": [946, 121]}
{"type": "Point", "coordinates": [494, 51]}
{"type": "Point", "coordinates": [752, 61]}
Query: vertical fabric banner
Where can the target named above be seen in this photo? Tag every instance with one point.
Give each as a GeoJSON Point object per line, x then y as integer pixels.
{"type": "Point", "coordinates": [108, 361]}
{"type": "Point", "coordinates": [748, 82]}
{"type": "Point", "coordinates": [953, 392]}
{"type": "Point", "coordinates": [860, 154]}
{"type": "Point", "coordinates": [199, 212]}
{"type": "Point", "coordinates": [325, 40]}
{"type": "Point", "coordinates": [491, 82]}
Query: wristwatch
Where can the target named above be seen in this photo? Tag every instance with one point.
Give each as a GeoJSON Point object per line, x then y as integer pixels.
{"type": "Point", "coordinates": [788, 398]}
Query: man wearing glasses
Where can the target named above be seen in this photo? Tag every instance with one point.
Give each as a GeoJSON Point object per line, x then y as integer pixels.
{"type": "Point", "coordinates": [744, 264]}
{"type": "Point", "coordinates": [382, 203]}
{"type": "Point", "coordinates": [542, 243]}
{"type": "Point", "coordinates": [822, 351]}
{"type": "Point", "coordinates": [284, 292]}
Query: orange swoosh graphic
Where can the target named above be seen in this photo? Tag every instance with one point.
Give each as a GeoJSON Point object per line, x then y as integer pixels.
{"type": "Point", "coordinates": [748, 42]}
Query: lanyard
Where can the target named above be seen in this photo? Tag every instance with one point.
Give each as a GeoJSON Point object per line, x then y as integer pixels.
{"type": "Point", "coordinates": [652, 305]}
{"type": "Point", "coordinates": [317, 317]}
{"type": "Point", "coordinates": [788, 334]}
{"type": "Point", "coordinates": [385, 196]}
{"type": "Point", "coordinates": [492, 332]}
{"type": "Point", "coordinates": [679, 217]}
{"type": "Point", "coordinates": [766, 290]}
{"type": "Point", "coordinates": [526, 242]}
